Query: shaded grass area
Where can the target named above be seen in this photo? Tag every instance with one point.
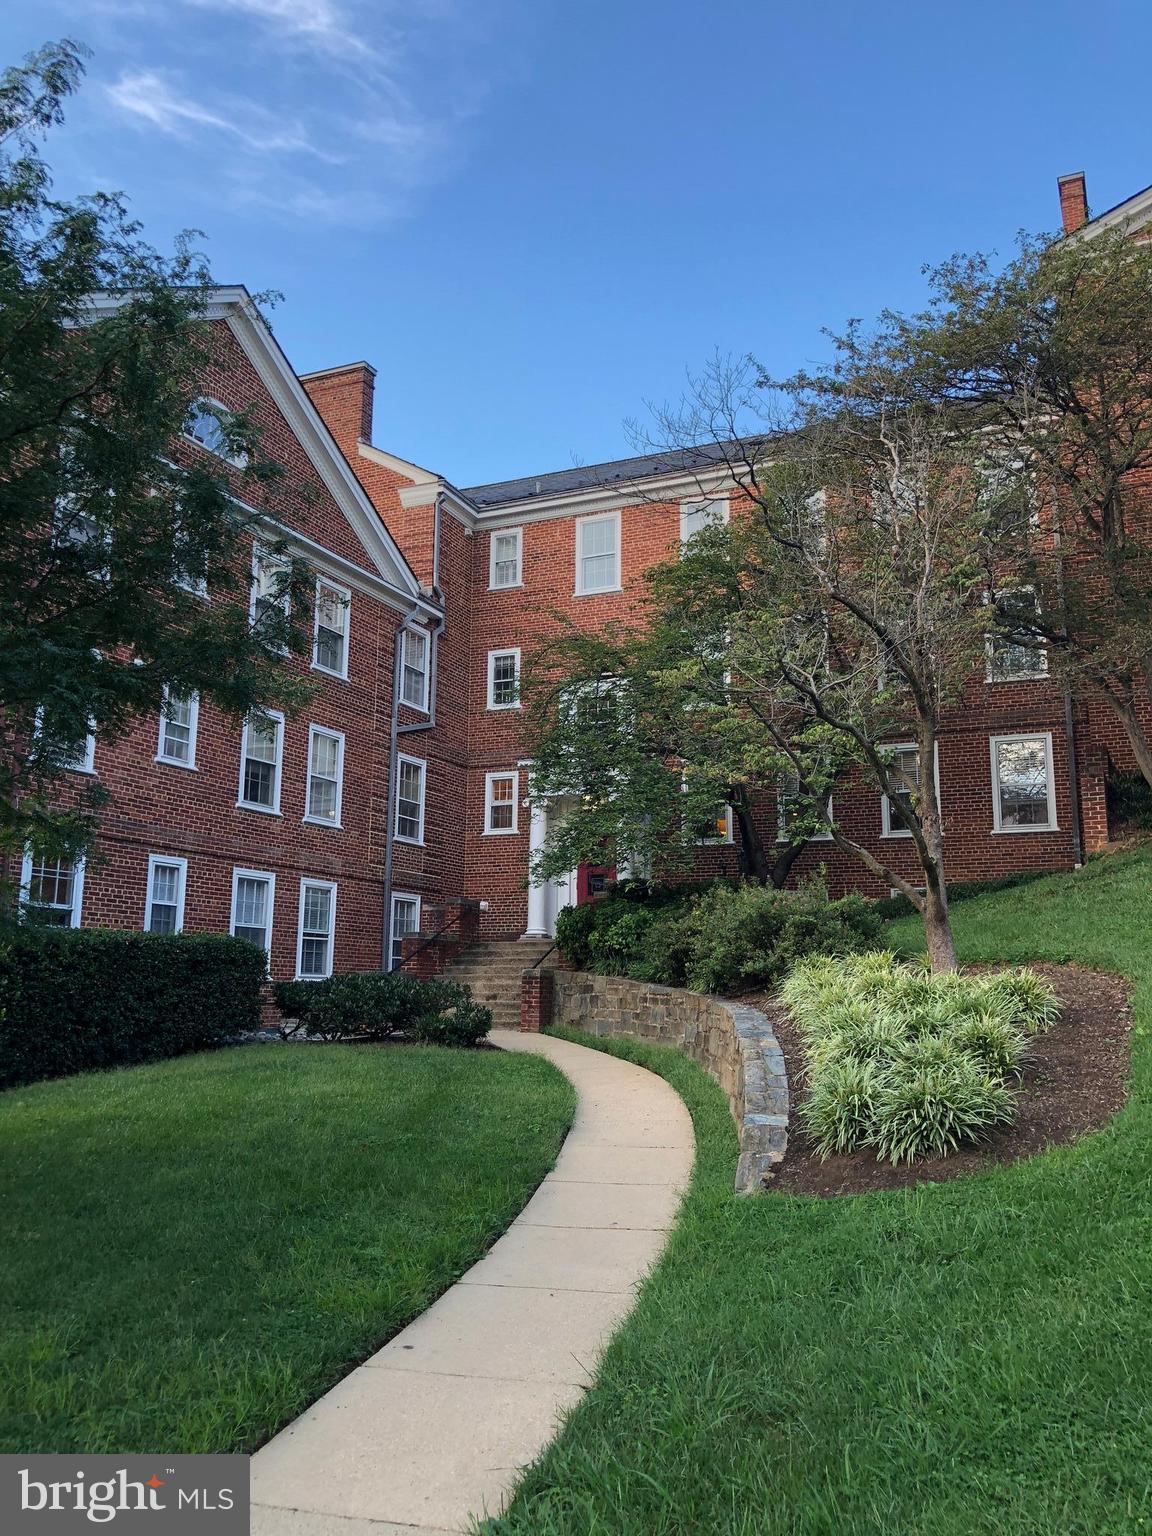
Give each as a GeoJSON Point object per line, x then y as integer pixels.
{"type": "Point", "coordinates": [190, 1252]}
{"type": "Point", "coordinates": [943, 1360]}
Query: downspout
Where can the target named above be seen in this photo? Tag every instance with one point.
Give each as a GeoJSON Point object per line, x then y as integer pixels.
{"type": "Point", "coordinates": [1069, 712]}
{"type": "Point", "coordinates": [396, 730]}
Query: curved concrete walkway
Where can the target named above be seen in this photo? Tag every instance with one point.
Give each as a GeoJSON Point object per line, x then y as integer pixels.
{"type": "Point", "coordinates": [435, 1428]}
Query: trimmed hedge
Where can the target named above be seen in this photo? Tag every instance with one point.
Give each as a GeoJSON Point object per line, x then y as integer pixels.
{"type": "Point", "coordinates": [77, 1000]}
{"type": "Point", "coordinates": [374, 1005]}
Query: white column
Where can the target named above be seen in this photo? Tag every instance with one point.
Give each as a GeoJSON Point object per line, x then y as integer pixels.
{"type": "Point", "coordinates": [537, 894]}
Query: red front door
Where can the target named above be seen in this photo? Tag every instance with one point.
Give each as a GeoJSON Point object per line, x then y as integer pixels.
{"type": "Point", "coordinates": [592, 881]}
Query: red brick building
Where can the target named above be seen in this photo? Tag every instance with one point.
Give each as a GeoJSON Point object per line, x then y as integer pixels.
{"type": "Point", "coordinates": [401, 792]}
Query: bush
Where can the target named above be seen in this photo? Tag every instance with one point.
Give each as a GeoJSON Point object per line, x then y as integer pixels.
{"type": "Point", "coordinates": [610, 936]}
{"type": "Point", "coordinates": [910, 1063]}
{"type": "Point", "coordinates": [76, 1000]}
{"type": "Point", "coordinates": [375, 1005]}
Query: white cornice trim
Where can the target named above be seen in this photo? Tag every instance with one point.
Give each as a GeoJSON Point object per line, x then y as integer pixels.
{"type": "Point", "coordinates": [397, 465]}
{"type": "Point", "coordinates": [656, 490]}
{"type": "Point", "coordinates": [1133, 214]}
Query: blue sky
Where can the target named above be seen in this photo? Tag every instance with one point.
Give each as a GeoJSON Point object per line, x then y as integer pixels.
{"type": "Point", "coordinates": [534, 216]}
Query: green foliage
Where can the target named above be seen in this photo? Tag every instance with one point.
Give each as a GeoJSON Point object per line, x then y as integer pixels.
{"type": "Point", "coordinates": [112, 520]}
{"type": "Point", "coordinates": [889, 907]}
{"type": "Point", "coordinates": [1129, 800]}
{"type": "Point", "coordinates": [934, 1052]}
{"type": "Point", "coordinates": [376, 1005]}
{"type": "Point", "coordinates": [77, 1000]}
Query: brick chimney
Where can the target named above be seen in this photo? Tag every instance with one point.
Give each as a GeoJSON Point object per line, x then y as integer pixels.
{"type": "Point", "coordinates": [1073, 201]}
{"type": "Point", "coordinates": [343, 396]}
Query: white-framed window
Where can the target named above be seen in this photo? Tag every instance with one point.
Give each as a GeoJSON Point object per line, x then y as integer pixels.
{"type": "Point", "coordinates": [52, 891]}
{"type": "Point", "coordinates": [414, 668]}
{"type": "Point", "coordinates": [411, 775]}
{"type": "Point", "coordinates": [253, 903]}
{"type": "Point", "coordinates": [179, 723]}
{"type": "Point", "coordinates": [333, 606]}
{"type": "Point", "coordinates": [164, 905]}
{"type": "Point", "coordinates": [905, 757]}
{"type": "Point", "coordinates": [325, 776]}
{"type": "Point", "coordinates": [505, 558]}
{"type": "Point", "coordinates": [598, 554]}
{"type": "Point", "coordinates": [696, 515]}
{"type": "Point", "coordinates": [205, 424]}
{"type": "Point", "coordinates": [715, 827]}
{"type": "Point", "coordinates": [504, 679]}
{"type": "Point", "coordinates": [82, 760]}
{"type": "Point", "coordinates": [787, 798]}
{"type": "Point", "coordinates": [501, 803]}
{"type": "Point", "coordinates": [315, 936]}
{"type": "Point", "coordinates": [261, 760]}
{"type": "Point", "coordinates": [1023, 783]}
{"type": "Point", "coordinates": [1015, 659]}
{"type": "Point", "coordinates": [405, 920]}
{"type": "Point", "coordinates": [270, 593]}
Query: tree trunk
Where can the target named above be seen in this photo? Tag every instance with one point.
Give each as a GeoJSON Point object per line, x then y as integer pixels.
{"type": "Point", "coordinates": [937, 921]}
{"type": "Point", "coordinates": [938, 924]}
{"type": "Point", "coordinates": [753, 859]}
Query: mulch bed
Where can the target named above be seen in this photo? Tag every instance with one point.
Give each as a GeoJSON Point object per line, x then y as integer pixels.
{"type": "Point", "coordinates": [1076, 1082]}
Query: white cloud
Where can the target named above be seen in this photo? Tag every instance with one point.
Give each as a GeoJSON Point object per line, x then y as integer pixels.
{"type": "Point", "coordinates": [149, 97]}
{"type": "Point", "coordinates": [318, 23]}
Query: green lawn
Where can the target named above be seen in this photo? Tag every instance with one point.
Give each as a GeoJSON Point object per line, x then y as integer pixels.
{"type": "Point", "coordinates": [191, 1252]}
{"type": "Point", "coordinates": [971, 1357]}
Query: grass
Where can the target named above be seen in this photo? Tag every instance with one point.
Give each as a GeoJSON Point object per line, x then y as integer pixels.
{"type": "Point", "coordinates": [947, 1360]}
{"type": "Point", "coordinates": [194, 1250]}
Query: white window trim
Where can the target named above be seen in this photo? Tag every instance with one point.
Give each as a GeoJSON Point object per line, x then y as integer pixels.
{"type": "Point", "coordinates": [492, 537]}
{"type": "Point", "coordinates": [994, 742]}
{"type": "Point", "coordinates": [402, 896]}
{"type": "Point", "coordinates": [239, 874]}
{"type": "Point", "coordinates": [262, 556]}
{"type": "Point", "coordinates": [701, 501]}
{"type": "Point", "coordinates": [248, 805]}
{"type": "Point", "coordinates": [580, 522]}
{"type": "Point", "coordinates": [78, 866]}
{"type": "Point", "coordinates": [504, 650]}
{"type": "Point", "coordinates": [729, 833]}
{"type": "Point", "coordinates": [887, 826]}
{"type": "Point", "coordinates": [489, 780]}
{"type": "Point", "coordinates": [182, 865]}
{"type": "Point", "coordinates": [217, 407]}
{"type": "Point", "coordinates": [87, 764]}
{"type": "Point", "coordinates": [330, 886]}
{"type": "Point", "coordinates": [1041, 651]}
{"type": "Point", "coordinates": [337, 823]}
{"type": "Point", "coordinates": [426, 681]}
{"type": "Point", "coordinates": [193, 734]}
{"type": "Point", "coordinates": [782, 824]}
{"type": "Point", "coordinates": [345, 596]}
{"type": "Point", "coordinates": [422, 764]}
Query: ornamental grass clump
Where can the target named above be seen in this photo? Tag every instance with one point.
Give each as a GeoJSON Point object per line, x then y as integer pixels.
{"type": "Point", "coordinates": [909, 1063]}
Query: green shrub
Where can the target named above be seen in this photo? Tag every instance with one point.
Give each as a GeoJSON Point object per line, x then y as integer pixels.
{"type": "Point", "coordinates": [910, 1063]}
{"type": "Point", "coordinates": [72, 1000]}
{"type": "Point", "coordinates": [375, 1005]}
{"type": "Point", "coordinates": [610, 936]}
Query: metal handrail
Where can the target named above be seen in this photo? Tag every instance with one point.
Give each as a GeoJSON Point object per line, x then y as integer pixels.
{"type": "Point", "coordinates": [537, 963]}
{"type": "Point", "coordinates": [431, 939]}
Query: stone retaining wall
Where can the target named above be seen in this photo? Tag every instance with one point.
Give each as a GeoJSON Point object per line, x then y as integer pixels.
{"type": "Point", "coordinates": [734, 1044]}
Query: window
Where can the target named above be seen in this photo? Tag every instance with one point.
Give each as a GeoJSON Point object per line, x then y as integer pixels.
{"type": "Point", "coordinates": [253, 900]}
{"type": "Point", "coordinates": [1023, 784]}
{"type": "Point", "coordinates": [904, 759]}
{"type": "Point", "coordinates": [787, 803]}
{"type": "Point", "coordinates": [261, 754]}
{"type": "Point", "coordinates": [598, 554]}
{"type": "Point", "coordinates": [414, 668]}
{"type": "Point", "coordinates": [70, 756]}
{"type": "Point", "coordinates": [504, 679]}
{"type": "Point", "coordinates": [410, 775]}
{"type": "Point", "coordinates": [405, 920]}
{"type": "Point", "coordinates": [179, 718]}
{"type": "Point", "coordinates": [52, 891]}
{"type": "Point", "coordinates": [164, 906]}
{"type": "Point", "coordinates": [505, 558]}
{"type": "Point", "coordinates": [325, 776]}
{"type": "Point", "coordinates": [695, 515]}
{"type": "Point", "coordinates": [206, 424]}
{"type": "Point", "coordinates": [270, 590]}
{"type": "Point", "coordinates": [317, 926]}
{"type": "Point", "coordinates": [717, 827]}
{"type": "Point", "coordinates": [501, 802]}
{"type": "Point", "coordinates": [1017, 655]}
{"type": "Point", "coordinates": [330, 632]}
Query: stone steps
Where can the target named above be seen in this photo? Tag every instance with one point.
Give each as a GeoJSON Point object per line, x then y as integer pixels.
{"type": "Point", "coordinates": [492, 970]}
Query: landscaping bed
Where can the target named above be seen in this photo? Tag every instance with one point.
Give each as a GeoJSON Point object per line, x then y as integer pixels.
{"type": "Point", "coordinates": [1074, 1082]}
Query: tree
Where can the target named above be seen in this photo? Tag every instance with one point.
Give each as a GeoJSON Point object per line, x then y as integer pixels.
{"type": "Point", "coordinates": [1051, 360]}
{"type": "Point", "coordinates": [840, 611]}
{"type": "Point", "coordinates": [124, 569]}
